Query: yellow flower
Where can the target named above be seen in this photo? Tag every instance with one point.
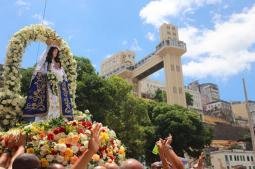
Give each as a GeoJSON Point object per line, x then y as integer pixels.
{"type": "Point", "coordinates": [122, 150]}
{"type": "Point", "coordinates": [30, 151]}
{"type": "Point", "coordinates": [104, 137]}
{"type": "Point", "coordinates": [44, 162]}
{"type": "Point", "coordinates": [62, 141]}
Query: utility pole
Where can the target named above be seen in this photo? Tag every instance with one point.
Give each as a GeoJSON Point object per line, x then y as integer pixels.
{"type": "Point", "coordinates": [250, 118]}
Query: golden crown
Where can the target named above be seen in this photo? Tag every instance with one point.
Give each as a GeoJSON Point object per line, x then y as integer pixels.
{"type": "Point", "coordinates": [53, 42]}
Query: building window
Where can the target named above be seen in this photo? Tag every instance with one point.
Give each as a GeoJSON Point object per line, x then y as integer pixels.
{"type": "Point", "coordinates": [243, 158]}
{"type": "Point", "coordinates": [237, 158]}
{"type": "Point", "coordinates": [178, 69]}
{"type": "Point", "coordinates": [251, 158]}
{"type": "Point", "coordinates": [249, 167]}
{"type": "Point", "coordinates": [253, 167]}
{"type": "Point", "coordinates": [226, 158]}
{"type": "Point", "coordinates": [230, 157]}
{"type": "Point", "coordinates": [227, 167]}
{"type": "Point", "coordinates": [248, 158]}
{"type": "Point", "coordinates": [174, 90]}
{"type": "Point", "coordinates": [172, 67]}
{"type": "Point", "coordinates": [180, 90]}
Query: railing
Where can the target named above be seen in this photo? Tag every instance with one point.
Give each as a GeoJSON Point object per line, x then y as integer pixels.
{"type": "Point", "coordinates": [171, 42]}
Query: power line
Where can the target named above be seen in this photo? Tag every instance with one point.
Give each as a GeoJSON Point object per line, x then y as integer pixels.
{"type": "Point", "coordinates": [43, 16]}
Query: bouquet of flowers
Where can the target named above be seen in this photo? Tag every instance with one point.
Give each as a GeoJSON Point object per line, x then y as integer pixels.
{"type": "Point", "coordinates": [60, 141]}
{"type": "Point", "coordinates": [53, 81]}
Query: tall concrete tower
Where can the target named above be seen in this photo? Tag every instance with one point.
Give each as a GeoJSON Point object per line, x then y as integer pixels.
{"type": "Point", "coordinates": [171, 50]}
{"type": "Point", "coordinates": [167, 55]}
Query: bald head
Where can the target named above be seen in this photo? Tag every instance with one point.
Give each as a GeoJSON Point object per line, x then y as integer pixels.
{"type": "Point", "coordinates": [26, 161]}
{"type": "Point", "coordinates": [56, 166]}
{"type": "Point", "coordinates": [99, 167]}
{"type": "Point", "coordinates": [111, 166]}
{"type": "Point", "coordinates": [131, 164]}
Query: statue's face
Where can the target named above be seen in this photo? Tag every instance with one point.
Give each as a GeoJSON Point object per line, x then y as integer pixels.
{"type": "Point", "coordinates": [55, 53]}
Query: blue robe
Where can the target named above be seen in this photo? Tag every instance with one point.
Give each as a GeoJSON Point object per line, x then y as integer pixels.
{"type": "Point", "coordinates": [37, 102]}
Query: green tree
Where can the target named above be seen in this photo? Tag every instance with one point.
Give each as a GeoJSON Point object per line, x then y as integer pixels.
{"type": "Point", "coordinates": [189, 133]}
{"type": "Point", "coordinates": [25, 80]}
{"type": "Point", "coordinates": [160, 95]}
{"type": "Point", "coordinates": [189, 99]}
{"type": "Point", "coordinates": [132, 125]}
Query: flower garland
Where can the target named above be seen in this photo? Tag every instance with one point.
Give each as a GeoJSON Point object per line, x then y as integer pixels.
{"type": "Point", "coordinates": [10, 109]}
{"type": "Point", "coordinates": [58, 141]}
{"type": "Point", "coordinates": [15, 50]}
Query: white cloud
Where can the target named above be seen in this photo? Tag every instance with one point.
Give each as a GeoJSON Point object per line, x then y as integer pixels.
{"type": "Point", "coordinates": [135, 46]}
{"type": "Point", "coordinates": [222, 51]}
{"type": "Point", "coordinates": [158, 12]}
{"type": "Point", "coordinates": [23, 6]}
{"type": "Point", "coordinates": [41, 20]}
{"type": "Point", "coordinates": [150, 36]}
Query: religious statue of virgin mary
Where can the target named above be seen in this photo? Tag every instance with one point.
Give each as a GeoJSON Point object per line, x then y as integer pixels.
{"type": "Point", "coordinates": [48, 94]}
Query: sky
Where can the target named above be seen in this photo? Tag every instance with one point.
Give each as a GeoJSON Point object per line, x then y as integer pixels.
{"type": "Point", "coordinates": [219, 34]}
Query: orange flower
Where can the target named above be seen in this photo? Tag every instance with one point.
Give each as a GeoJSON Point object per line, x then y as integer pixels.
{"type": "Point", "coordinates": [95, 157]}
{"type": "Point", "coordinates": [121, 150]}
{"type": "Point", "coordinates": [44, 162]}
{"type": "Point", "coordinates": [75, 140]}
{"type": "Point", "coordinates": [73, 159]}
{"type": "Point", "coordinates": [69, 152]}
{"type": "Point", "coordinates": [68, 140]}
{"type": "Point", "coordinates": [66, 158]}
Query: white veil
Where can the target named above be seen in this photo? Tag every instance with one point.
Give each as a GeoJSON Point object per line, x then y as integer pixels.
{"type": "Point", "coordinates": [41, 65]}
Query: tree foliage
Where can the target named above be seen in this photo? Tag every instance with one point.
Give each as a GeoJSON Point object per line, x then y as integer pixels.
{"type": "Point", "coordinates": [189, 99]}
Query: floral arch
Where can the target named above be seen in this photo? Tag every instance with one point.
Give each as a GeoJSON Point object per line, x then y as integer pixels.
{"type": "Point", "coordinates": [15, 50]}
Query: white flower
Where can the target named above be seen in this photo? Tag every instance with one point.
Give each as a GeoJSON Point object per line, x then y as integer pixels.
{"type": "Point", "coordinates": [83, 137]}
{"type": "Point", "coordinates": [50, 158]}
{"type": "Point", "coordinates": [75, 149]}
{"type": "Point", "coordinates": [62, 147]}
{"type": "Point", "coordinates": [85, 143]}
{"type": "Point", "coordinates": [7, 116]}
{"type": "Point", "coordinates": [5, 122]}
{"type": "Point", "coordinates": [82, 148]}
{"type": "Point", "coordinates": [59, 158]}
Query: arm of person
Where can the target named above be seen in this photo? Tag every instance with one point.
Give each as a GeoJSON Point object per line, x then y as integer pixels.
{"type": "Point", "coordinates": [93, 147]}
{"type": "Point", "coordinates": [170, 155]}
{"type": "Point", "coordinates": [165, 163]}
{"type": "Point", "coordinates": [5, 159]}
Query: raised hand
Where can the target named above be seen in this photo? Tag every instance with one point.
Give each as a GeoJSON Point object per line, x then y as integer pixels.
{"type": "Point", "coordinates": [95, 140]}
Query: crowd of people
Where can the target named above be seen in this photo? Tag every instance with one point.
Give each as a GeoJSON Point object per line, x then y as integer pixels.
{"type": "Point", "coordinates": [14, 156]}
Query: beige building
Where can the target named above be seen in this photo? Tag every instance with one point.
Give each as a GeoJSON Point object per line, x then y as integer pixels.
{"type": "Point", "coordinates": [167, 55]}
{"type": "Point", "coordinates": [117, 61]}
{"type": "Point", "coordinates": [168, 31]}
{"type": "Point", "coordinates": [241, 114]}
{"type": "Point", "coordinates": [229, 159]}
{"type": "Point", "coordinates": [149, 87]}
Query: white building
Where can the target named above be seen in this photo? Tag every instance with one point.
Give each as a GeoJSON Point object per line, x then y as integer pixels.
{"type": "Point", "coordinates": [196, 96]}
{"type": "Point", "coordinates": [209, 93]}
{"type": "Point", "coordinates": [117, 61]}
{"type": "Point", "coordinates": [221, 109]}
{"type": "Point", "coordinates": [229, 159]}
